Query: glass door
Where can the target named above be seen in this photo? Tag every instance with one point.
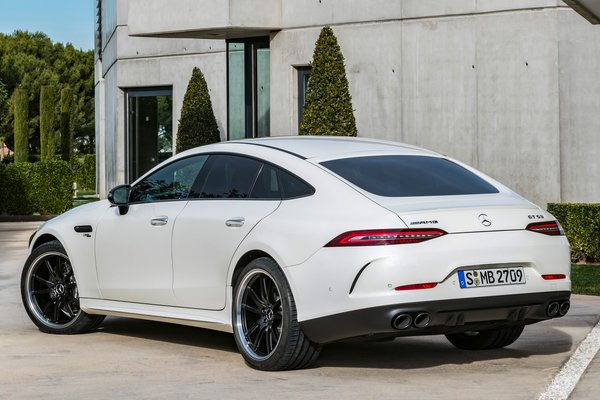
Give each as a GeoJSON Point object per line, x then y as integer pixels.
{"type": "Point", "coordinates": [149, 129]}
{"type": "Point", "coordinates": [248, 88]}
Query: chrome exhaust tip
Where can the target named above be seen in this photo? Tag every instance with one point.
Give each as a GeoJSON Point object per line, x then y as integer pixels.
{"type": "Point", "coordinates": [422, 320]}
{"type": "Point", "coordinates": [564, 308]}
{"type": "Point", "coordinates": [552, 309]}
{"type": "Point", "coordinates": [401, 321]}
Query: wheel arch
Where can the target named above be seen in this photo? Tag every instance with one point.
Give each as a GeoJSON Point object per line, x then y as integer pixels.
{"type": "Point", "coordinates": [45, 238]}
{"type": "Point", "coordinates": [244, 260]}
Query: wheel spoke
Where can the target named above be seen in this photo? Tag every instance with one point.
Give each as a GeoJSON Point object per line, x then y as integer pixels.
{"type": "Point", "coordinates": [41, 291]}
{"type": "Point", "coordinates": [264, 293]}
{"type": "Point", "coordinates": [69, 310]}
{"type": "Point", "coordinates": [46, 308]}
{"type": "Point", "coordinates": [49, 268]}
{"type": "Point", "coordinates": [259, 339]}
{"type": "Point", "coordinates": [269, 339]}
{"type": "Point", "coordinates": [44, 281]}
{"type": "Point", "coordinates": [251, 309]}
{"type": "Point", "coordinates": [255, 297]}
{"type": "Point", "coordinates": [56, 310]}
{"type": "Point", "coordinates": [251, 331]}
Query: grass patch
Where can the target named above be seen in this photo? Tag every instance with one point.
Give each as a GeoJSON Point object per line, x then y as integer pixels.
{"type": "Point", "coordinates": [585, 279]}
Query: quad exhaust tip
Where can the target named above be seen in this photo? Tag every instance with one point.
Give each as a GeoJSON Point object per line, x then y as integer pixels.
{"type": "Point", "coordinates": [419, 321]}
{"type": "Point", "coordinates": [402, 321]}
{"type": "Point", "coordinates": [558, 309]}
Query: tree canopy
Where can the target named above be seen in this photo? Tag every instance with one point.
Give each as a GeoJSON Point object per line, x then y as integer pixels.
{"type": "Point", "coordinates": [328, 109]}
{"type": "Point", "coordinates": [31, 60]}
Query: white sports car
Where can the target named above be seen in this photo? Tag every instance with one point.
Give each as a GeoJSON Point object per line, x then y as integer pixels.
{"type": "Point", "coordinates": [293, 242]}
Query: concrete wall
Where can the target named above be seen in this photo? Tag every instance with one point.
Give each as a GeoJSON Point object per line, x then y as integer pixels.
{"type": "Point", "coordinates": [508, 86]}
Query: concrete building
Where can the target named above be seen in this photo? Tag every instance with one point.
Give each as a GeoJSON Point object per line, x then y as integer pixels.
{"type": "Point", "coordinates": [510, 87]}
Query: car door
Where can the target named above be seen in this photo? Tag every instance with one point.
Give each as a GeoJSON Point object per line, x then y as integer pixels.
{"type": "Point", "coordinates": [133, 250]}
{"type": "Point", "coordinates": [232, 195]}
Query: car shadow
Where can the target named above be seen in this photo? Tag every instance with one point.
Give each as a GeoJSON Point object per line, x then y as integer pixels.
{"type": "Point", "coordinates": [401, 353]}
{"type": "Point", "coordinates": [170, 333]}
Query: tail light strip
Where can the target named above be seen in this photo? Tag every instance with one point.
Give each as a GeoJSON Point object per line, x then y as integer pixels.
{"type": "Point", "coordinates": [383, 237]}
{"type": "Point", "coordinates": [551, 228]}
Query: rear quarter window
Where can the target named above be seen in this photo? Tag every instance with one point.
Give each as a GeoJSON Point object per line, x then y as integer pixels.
{"type": "Point", "coordinates": [408, 176]}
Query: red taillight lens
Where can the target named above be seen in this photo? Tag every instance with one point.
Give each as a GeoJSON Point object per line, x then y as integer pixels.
{"type": "Point", "coordinates": [384, 237]}
{"type": "Point", "coordinates": [551, 228]}
{"type": "Point", "coordinates": [550, 277]}
{"type": "Point", "coordinates": [417, 286]}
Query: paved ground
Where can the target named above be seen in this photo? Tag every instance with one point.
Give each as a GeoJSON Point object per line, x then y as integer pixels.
{"type": "Point", "coordinates": [139, 359]}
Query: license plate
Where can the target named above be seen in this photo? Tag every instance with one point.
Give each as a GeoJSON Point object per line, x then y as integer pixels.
{"type": "Point", "coordinates": [491, 277]}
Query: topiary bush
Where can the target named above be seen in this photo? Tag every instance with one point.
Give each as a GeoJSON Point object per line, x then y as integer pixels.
{"type": "Point", "coordinates": [581, 223]}
{"type": "Point", "coordinates": [198, 125]}
{"type": "Point", "coordinates": [20, 103]}
{"type": "Point", "coordinates": [66, 126]}
{"type": "Point", "coordinates": [328, 108]}
{"type": "Point", "coordinates": [47, 120]}
{"type": "Point", "coordinates": [84, 172]}
{"type": "Point", "coordinates": [44, 187]}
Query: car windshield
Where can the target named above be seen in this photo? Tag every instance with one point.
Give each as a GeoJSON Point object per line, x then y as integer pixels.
{"type": "Point", "coordinates": [409, 175]}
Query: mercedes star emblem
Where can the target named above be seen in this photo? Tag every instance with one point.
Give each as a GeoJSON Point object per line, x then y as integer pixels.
{"type": "Point", "coordinates": [485, 220]}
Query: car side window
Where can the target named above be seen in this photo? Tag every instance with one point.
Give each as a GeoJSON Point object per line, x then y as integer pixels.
{"type": "Point", "coordinates": [227, 176]}
{"type": "Point", "coordinates": [275, 183]}
{"type": "Point", "coordinates": [172, 182]}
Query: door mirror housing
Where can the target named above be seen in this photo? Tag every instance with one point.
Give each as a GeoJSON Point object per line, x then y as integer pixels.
{"type": "Point", "coordinates": [119, 196]}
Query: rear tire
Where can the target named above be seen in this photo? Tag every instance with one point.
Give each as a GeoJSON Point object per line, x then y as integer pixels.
{"type": "Point", "coordinates": [265, 324]}
{"type": "Point", "coordinates": [49, 292]}
{"type": "Point", "coordinates": [485, 340]}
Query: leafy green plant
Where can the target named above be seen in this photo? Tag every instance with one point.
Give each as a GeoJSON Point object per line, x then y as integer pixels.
{"type": "Point", "coordinates": [84, 172]}
{"type": "Point", "coordinates": [20, 103]}
{"type": "Point", "coordinates": [197, 125]}
{"type": "Point", "coordinates": [581, 223]}
{"type": "Point", "coordinates": [328, 109]}
{"type": "Point", "coordinates": [47, 122]}
{"type": "Point", "coordinates": [66, 128]}
{"type": "Point", "coordinates": [44, 187]}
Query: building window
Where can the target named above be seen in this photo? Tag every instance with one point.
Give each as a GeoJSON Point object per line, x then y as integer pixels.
{"type": "Point", "coordinates": [149, 129]}
{"type": "Point", "coordinates": [303, 75]}
{"type": "Point", "coordinates": [248, 88]}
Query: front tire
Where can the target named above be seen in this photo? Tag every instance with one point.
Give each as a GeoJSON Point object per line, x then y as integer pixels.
{"type": "Point", "coordinates": [265, 324]}
{"type": "Point", "coordinates": [49, 292]}
{"type": "Point", "coordinates": [485, 340]}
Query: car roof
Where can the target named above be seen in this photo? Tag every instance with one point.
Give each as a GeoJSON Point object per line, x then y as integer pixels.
{"type": "Point", "coordinates": [308, 147]}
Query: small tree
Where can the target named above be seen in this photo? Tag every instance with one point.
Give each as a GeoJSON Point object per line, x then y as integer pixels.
{"type": "Point", "coordinates": [197, 125]}
{"type": "Point", "coordinates": [20, 103]}
{"type": "Point", "coordinates": [66, 127]}
{"type": "Point", "coordinates": [47, 121]}
{"type": "Point", "coordinates": [3, 110]}
{"type": "Point", "coordinates": [328, 109]}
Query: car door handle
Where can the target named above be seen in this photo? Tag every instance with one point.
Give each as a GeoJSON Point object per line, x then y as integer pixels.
{"type": "Point", "coordinates": [158, 221]}
{"type": "Point", "coordinates": [235, 222]}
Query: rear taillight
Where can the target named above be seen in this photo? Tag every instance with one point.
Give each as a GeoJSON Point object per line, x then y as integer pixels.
{"type": "Point", "coordinates": [382, 237]}
{"type": "Point", "coordinates": [551, 277]}
{"type": "Point", "coordinates": [551, 228]}
{"type": "Point", "coordinates": [417, 286]}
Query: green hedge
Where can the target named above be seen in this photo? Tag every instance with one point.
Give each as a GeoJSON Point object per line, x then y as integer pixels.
{"type": "Point", "coordinates": [581, 223]}
{"type": "Point", "coordinates": [84, 172]}
{"type": "Point", "coordinates": [44, 187]}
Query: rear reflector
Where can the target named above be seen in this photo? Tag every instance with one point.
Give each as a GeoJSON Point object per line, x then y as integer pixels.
{"type": "Point", "coordinates": [551, 228]}
{"type": "Point", "coordinates": [550, 277]}
{"type": "Point", "coordinates": [384, 237]}
{"type": "Point", "coordinates": [417, 286]}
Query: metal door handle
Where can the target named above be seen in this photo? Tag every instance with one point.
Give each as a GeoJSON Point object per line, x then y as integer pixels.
{"type": "Point", "coordinates": [235, 222]}
{"type": "Point", "coordinates": [158, 221]}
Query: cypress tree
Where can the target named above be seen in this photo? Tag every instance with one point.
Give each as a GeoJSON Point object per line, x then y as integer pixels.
{"type": "Point", "coordinates": [20, 102]}
{"type": "Point", "coordinates": [197, 125]}
{"type": "Point", "coordinates": [328, 109]}
{"type": "Point", "coordinates": [66, 128]}
{"type": "Point", "coordinates": [47, 134]}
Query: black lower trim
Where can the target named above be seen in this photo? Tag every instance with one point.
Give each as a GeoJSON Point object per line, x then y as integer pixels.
{"type": "Point", "coordinates": [447, 316]}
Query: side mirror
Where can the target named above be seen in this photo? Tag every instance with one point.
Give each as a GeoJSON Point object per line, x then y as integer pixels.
{"type": "Point", "coordinates": [119, 196]}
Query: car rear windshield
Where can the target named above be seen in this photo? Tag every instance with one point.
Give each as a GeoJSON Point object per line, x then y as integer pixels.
{"type": "Point", "coordinates": [407, 176]}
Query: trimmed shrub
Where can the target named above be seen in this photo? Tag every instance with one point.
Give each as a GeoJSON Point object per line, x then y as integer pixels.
{"type": "Point", "coordinates": [328, 109]}
{"type": "Point", "coordinates": [47, 131]}
{"type": "Point", "coordinates": [197, 125]}
{"type": "Point", "coordinates": [581, 223]}
{"type": "Point", "coordinates": [43, 187]}
{"type": "Point", "coordinates": [84, 172]}
{"type": "Point", "coordinates": [20, 102]}
{"type": "Point", "coordinates": [66, 127]}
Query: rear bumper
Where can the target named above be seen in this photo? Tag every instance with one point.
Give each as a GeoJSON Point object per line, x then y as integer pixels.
{"type": "Point", "coordinates": [447, 316]}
